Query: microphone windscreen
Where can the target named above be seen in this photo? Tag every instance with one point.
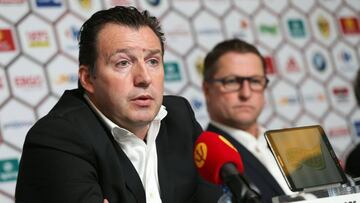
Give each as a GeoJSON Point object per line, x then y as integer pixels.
{"type": "Point", "coordinates": [211, 152]}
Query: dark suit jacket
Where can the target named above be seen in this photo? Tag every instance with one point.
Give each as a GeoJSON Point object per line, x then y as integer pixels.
{"type": "Point", "coordinates": [70, 156]}
{"type": "Point", "coordinates": [254, 171]}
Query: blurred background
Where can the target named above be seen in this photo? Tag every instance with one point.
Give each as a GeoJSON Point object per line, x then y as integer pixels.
{"type": "Point", "coordinates": [312, 49]}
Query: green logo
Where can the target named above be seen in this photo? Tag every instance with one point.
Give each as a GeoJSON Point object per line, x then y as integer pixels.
{"type": "Point", "coordinates": [9, 170]}
{"type": "Point", "coordinates": [296, 27]}
{"type": "Point", "coordinates": [268, 29]}
{"type": "Point", "coordinates": [172, 71]}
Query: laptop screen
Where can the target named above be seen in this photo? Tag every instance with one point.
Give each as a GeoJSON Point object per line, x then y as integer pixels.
{"type": "Point", "coordinates": [305, 157]}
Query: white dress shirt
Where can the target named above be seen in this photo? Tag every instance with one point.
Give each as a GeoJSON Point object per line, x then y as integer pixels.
{"type": "Point", "coordinates": [258, 147]}
{"type": "Point", "coordinates": [142, 155]}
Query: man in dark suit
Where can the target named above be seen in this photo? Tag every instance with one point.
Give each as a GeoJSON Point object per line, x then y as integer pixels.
{"type": "Point", "coordinates": [116, 138]}
{"type": "Point", "coordinates": [234, 84]}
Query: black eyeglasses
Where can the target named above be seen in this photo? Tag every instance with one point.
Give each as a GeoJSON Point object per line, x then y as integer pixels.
{"type": "Point", "coordinates": [235, 83]}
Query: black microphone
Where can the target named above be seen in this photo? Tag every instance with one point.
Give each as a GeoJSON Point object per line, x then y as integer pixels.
{"type": "Point", "coordinates": [240, 188]}
{"type": "Point", "coordinates": [218, 161]}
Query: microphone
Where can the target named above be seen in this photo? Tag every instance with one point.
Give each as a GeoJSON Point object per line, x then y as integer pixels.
{"type": "Point", "coordinates": [218, 162]}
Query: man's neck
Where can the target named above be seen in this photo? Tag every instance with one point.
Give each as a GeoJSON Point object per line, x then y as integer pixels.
{"type": "Point", "coordinates": [251, 129]}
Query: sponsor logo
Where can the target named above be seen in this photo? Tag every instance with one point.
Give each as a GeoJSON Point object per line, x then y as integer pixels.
{"type": "Point", "coordinates": [319, 61]}
{"type": "Point", "coordinates": [338, 131]}
{"type": "Point", "coordinates": [209, 31]}
{"type": "Point", "coordinates": [28, 81]}
{"type": "Point", "coordinates": [120, 2]}
{"type": "Point", "coordinates": [317, 97]}
{"type": "Point", "coordinates": [72, 33]}
{"type": "Point", "coordinates": [199, 64]}
{"type": "Point", "coordinates": [1, 83]}
{"type": "Point", "coordinates": [197, 104]}
{"type": "Point", "coordinates": [243, 26]}
{"type": "Point", "coordinates": [341, 93]}
{"type": "Point", "coordinates": [345, 56]}
{"type": "Point", "coordinates": [9, 169]}
{"type": "Point", "coordinates": [289, 100]}
{"type": "Point", "coordinates": [172, 71]}
{"type": "Point", "coordinates": [270, 66]}
{"type": "Point", "coordinates": [6, 40]}
{"type": "Point", "coordinates": [350, 25]}
{"type": "Point", "coordinates": [85, 4]}
{"type": "Point", "coordinates": [17, 124]}
{"type": "Point", "coordinates": [38, 39]}
{"type": "Point", "coordinates": [66, 78]}
{"type": "Point", "coordinates": [12, 1]}
{"type": "Point", "coordinates": [357, 127]}
{"type": "Point", "coordinates": [268, 29]}
{"type": "Point", "coordinates": [297, 28]}
{"type": "Point", "coordinates": [292, 66]}
{"type": "Point", "coordinates": [153, 2]}
{"type": "Point", "coordinates": [324, 26]}
{"type": "Point", "coordinates": [48, 3]}
{"type": "Point", "coordinates": [178, 32]}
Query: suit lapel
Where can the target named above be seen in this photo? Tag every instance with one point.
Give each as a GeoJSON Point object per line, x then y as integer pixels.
{"type": "Point", "coordinates": [132, 179]}
{"type": "Point", "coordinates": [164, 173]}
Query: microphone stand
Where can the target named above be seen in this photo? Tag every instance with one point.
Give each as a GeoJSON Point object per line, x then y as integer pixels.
{"type": "Point", "coordinates": [240, 189]}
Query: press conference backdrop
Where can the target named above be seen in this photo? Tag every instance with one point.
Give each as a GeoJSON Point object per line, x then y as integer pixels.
{"type": "Point", "coordinates": [312, 49]}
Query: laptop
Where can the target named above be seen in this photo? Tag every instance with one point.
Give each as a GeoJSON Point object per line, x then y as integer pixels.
{"type": "Point", "coordinates": [306, 158]}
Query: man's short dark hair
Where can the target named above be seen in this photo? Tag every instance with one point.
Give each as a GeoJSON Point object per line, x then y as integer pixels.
{"type": "Point", "coordinates": [232, 45]}
{"type": "Point", "coordinates": [125, 16]}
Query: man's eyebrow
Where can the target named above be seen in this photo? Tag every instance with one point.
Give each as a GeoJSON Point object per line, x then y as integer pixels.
{"type": "Point", "coordinates": [129, 51]}
{"type": "Point", "coordinates": [153, 51]}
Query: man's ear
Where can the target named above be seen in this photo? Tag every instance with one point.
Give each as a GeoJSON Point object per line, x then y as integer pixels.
{"type": "Point", "coordinates": [86, 80]}
{"type": "Point", "coordinates": [205, 88]}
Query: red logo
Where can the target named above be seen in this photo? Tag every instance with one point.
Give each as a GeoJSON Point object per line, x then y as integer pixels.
{"type": "Point", "coordinates": [341, 91]}
{"type": "Point", "coordinates": [12, 1]}
{"type": "Point", "coordinates": [38, 38]}
{"type": "Point", "coordinates": [350, 25]}
{"type": "Point", "coordinates": [292, 65]}
{"type": "Point", "coordinates": [28, 81]}
{"type": "Point", "coordinates": [270, 66]}
{"type": "Point", "coordinates": [6, 40]}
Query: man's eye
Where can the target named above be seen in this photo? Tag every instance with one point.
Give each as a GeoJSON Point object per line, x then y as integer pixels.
{"type": "Point", "coordinates": [255, 81]}
{"type": "Point", "coordinates": [122, 63]}
{"type": "Point", "coordinates": [153, 62]}
{"type": "Point", "coordinates": [230, 81]}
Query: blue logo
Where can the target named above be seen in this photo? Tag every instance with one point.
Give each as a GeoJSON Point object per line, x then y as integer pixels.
{"type": "Point", "coordinates": [196, 103]}
{"type": "Point", "coordinates": [73, 32]}
{"type": "Point", "coordinates": [357, 127]}
{"type": "Point", "coordinates": [48, 3]}
{"type": "Point", "coordinates": [319, 61]}
{"type": "Point", "coordinates": [154, 2]}
{"type": "Point", "coordinates": [346, 56]}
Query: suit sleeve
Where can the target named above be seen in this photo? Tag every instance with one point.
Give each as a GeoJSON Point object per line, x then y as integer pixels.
{"type": "Point", "coordinates": [56, 165]}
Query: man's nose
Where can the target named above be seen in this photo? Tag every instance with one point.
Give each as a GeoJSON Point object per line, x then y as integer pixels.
{"type": "Point", "coordinates": [142, 77]}
{"type": "Point", "coordinates": [245, 89]}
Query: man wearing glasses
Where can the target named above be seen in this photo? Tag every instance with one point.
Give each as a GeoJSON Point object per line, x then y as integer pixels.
{"type": "Point", "coordinates": [234, 84]}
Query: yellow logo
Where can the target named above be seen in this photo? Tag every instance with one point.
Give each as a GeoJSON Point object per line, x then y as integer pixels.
{"type": "Point", "coordinates": [200, 154]}
{"type": "Point", "coordinates": [199, 64]}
